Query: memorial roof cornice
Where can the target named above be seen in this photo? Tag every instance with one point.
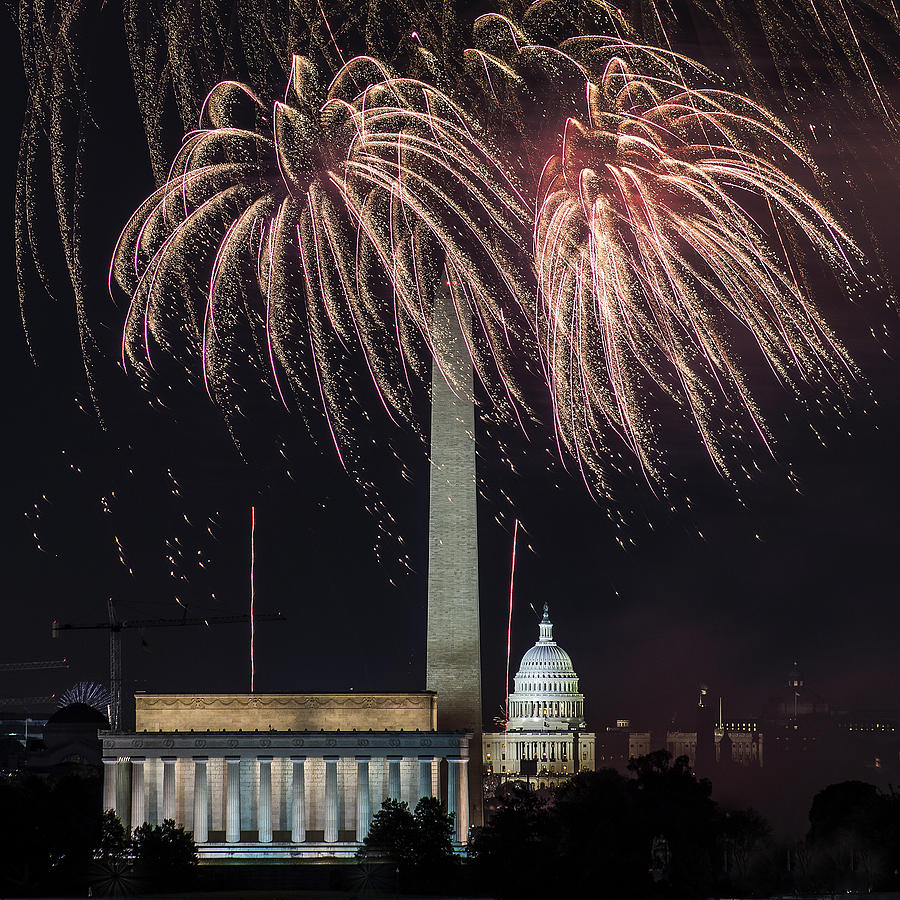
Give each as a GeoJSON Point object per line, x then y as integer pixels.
{"type": "Point", "coordinates": [285, 743]}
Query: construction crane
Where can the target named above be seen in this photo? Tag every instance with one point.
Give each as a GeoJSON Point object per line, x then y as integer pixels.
{"type": "Point", "coordinates": [27, 701]}
{"type": "Point", "coordinates": [115, 626]}
{"type": "Point", "coordinates": [28, 666]}
{"type": "Point", "coordinates": [31, 666]}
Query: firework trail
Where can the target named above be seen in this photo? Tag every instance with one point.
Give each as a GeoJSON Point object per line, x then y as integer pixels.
{"type": "Point", "coordinates": [663, 232]}
{"type": "Point", "coordinates": [606, 224]}
{"type": "Point", "coordinates": [89, 693]}
{"type": "Point", "coordinates": [252, 596]}
{"type": "Point", "coordinates": [816, 46]}
{"type": "Point", "coordinates": [326, 225]}
{"type": "Point", "coordinates": [795, 50]}
{"type": "Point", "coordinates": [177, 52]}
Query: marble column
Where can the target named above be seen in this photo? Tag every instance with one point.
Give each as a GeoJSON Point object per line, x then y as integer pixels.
{"type": "Point", "coordinates": [298, 799]}
{"type": "Point", "coordinates": [232, 799]}
{"type": "Point", "coordinates": [201, 801]}
{"type": "Point", "coordinates": [168, 799]}
{"type": "Point", "coordinates": [123, 791]}
{"type": "Point", "coordinates": [109, 783]}
{"type": "Point", "coordinates": [458, 795]}
{"type": "Point", "coordinates": [425, 788]}
{"type": "Point", "coordinates": [331, 799]}
{"type": "Point", "coordinates": [138, 808]}
{"type": "Point", "coordinates": [362, 797]}
{"type": "Point", "coordinates": [394, 777]}
{"type": "Point", "coordinates": [264, 819]}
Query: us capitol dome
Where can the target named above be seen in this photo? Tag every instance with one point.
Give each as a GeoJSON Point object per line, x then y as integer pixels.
{"type": "Point", "coordinates": [545, 729]}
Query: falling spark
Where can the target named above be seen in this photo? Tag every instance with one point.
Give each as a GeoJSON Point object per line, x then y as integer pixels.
{"type": "Point", "coordinates": [252, 595]}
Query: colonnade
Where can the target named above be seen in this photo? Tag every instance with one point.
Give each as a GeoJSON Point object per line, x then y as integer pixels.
{"type": "Point", "coordinates": [196, 783]}
{"type": "Point", "coordinates": [542, 708]}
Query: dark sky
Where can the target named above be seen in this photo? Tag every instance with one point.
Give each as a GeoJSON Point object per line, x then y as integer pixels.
{"type": "Point", "coordinates": [719, 593]}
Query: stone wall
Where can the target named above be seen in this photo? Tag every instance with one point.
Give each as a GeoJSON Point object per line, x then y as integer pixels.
{"type": "Point", "coordinates": [286, 712]}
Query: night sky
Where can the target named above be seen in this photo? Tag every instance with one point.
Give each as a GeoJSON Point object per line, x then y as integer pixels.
{"type": "Point", "coordinates": [718, 592]}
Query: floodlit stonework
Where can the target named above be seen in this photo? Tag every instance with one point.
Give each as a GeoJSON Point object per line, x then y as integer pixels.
{"type": "Point", "coordinates": [285, 712]}
{"type": "Point", "coordinates": [260, 776]}
{"type": "Point", "coordinates": [546, 737]}
{"type": "Point", "coordinates": [453, 643]}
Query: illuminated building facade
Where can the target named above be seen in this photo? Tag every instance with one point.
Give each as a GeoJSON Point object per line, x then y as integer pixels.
{"type": "Point", "coordinates": [743, 748]}
{"type": "Point", "coordinates": [546, 735]}
{"type": "Point", "coordinates": [453, 639]}
{"type": "Point", "coordinates": [619, 743]}
{"type": "Point", "coordinates": [269, 776]}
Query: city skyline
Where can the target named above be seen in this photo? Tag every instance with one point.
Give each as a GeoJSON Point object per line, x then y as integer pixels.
{"type": "Point", "coordinates": [805, 576]}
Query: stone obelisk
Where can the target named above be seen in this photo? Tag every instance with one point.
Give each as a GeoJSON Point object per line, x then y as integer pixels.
{"type": "Point", "coordinates": [453, 652]}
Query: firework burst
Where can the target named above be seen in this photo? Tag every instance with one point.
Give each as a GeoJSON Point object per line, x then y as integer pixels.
{"type": "Point", "coordinates": [325, 225]}
{"type": "Point", "coordinates": [648, 253]}
{"type": "Point", "coordinates": [663, 231]}
{"type": "Point", "coordinates": [89, 693]}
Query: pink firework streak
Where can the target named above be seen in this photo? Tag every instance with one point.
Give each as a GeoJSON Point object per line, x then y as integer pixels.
{"type": "Point", "coordinates": [512, 578]}
{"type": "Point", "coordinates": [252, 594]}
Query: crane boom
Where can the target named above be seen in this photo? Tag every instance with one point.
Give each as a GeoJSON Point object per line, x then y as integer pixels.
{"type": "Point", "coordinates": [39, 664]}
{"type": "Point", "coordinates": [27, 701]}
{"type": "Point", "coordinates": [120, 625]}
{"type": "Point", "coordinates": [115, 626]}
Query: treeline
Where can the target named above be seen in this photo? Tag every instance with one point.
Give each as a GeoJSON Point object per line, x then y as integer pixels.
{"type": "Point", "coordinates": [49, 830]}
{"type": "Point", "coordinates": [658, 833]}
{"type": "Point", "coordinates": [655, 833]}
{"type": "Point", "coordinates": [54, 839]}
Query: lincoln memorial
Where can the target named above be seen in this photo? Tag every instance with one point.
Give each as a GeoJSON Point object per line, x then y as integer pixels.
{"type": "Point", "coordinates": [281, 775]}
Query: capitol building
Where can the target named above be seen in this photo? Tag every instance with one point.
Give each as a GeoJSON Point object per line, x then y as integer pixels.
{"type": "Point", "coordinates": [546, 736]}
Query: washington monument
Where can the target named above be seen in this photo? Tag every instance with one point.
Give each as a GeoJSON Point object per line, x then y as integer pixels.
{"type": "Point", "coordinates": [453, 650]}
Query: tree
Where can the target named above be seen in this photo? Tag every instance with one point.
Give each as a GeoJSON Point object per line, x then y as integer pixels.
{"type": "Point", "coordinates": [112, 870]}
{"type": "Point", "coordinates": [600, 835]}
{"type": "Point", "coordinates": [165, 855]}
{"type": "Point", "coordinates": [672, 803]}
{"type": "Point", "coordinates": [508, 849]}
{"type": "Point", "coordinates": [434, 833]}
{"type": "Point", "coordinates": [748, 853]}
{"type": "Point", "coordinates": [23, 855]}
{"type": "Point", "coordinates": [854, 837]}
{"type": "Point", "coordinates": [49, 829]}
{"type": "Point", "coordinates": [420, 842]}
{"type": "Point", "coordinates": [848, 806]}
{"type": "Point", "coordinates": [114, 848]}
{"type": "Point", "coordinates": [393, 832]}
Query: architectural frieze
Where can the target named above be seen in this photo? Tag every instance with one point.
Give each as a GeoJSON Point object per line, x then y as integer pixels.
{"type": "Point", "coordinates": [339, 743]}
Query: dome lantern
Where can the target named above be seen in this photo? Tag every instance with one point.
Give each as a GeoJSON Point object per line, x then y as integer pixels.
{"type": "Point", "coordinates": [546, 626]}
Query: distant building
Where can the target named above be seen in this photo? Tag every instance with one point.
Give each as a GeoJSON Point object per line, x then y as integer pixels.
{"type": "Point", "coordinates": [808, 733]}
{"type": "Point", "coordinates": [22, 725]}
{"type": "Point", "coordinates": [546, 729]}
{"type": "Point", "coordinates": [70, 740]}
{"type": "Point", "coordinates": [21, 731]}
{"type": "Point", "coordinates": [617, 744]}
{"type": "Point", "coordinates": [281, 776]}
{"type": "Point", "coordinates": [742, 748]}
